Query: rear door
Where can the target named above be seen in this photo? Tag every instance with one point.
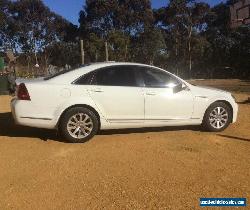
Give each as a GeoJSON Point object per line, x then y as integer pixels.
{"type": "Point", "coordinates": [117, 93]}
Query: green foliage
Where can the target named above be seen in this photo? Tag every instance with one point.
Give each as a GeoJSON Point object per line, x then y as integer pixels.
{"type": "Point", "coordinates": [186, 36]}
{"type": "Point", "coordinates": [63, 53]}
{"type": "Point", "coordinates": [149, 45]}
{"type": "Point", "coordinates": [118, 46]}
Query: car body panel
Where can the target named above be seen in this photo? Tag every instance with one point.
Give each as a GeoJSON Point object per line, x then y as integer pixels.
{"type": "Point", "coordinates": [118, 107]}
{"type": "Point", "coordinates": [204, 97]}
{"type": "Point", "coordinates": [119, 103]}
{"type": "Point", "coordinates": [164, 104]}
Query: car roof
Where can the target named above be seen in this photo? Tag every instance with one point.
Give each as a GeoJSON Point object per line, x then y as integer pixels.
{"type": "Point", "coordinates": [72, 75]}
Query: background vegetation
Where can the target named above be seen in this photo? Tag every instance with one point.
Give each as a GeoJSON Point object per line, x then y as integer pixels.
{"type": "Point", "coordinates": [188, 38]}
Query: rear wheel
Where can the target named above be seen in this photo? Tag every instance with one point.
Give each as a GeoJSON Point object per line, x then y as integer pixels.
{"type": "Point", "coordinates": [217, 117]}
{"type": "Point", "coordinates": [78, 125]}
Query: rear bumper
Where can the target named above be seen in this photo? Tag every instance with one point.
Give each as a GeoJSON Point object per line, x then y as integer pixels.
{"type": "Point", "coordinates": [13, 109]}
{"type": "Point", "coordinates": [21, 113]}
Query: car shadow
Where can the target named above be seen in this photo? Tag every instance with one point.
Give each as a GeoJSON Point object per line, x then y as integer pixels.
{"type": "Point", "coordinates": [234, 137]}
{"type": "Point", "coordinates": [10, 129]}
{"type": "Point", "coordinates": [149, 130]}
{"type": "Point", "coordinates": [245, 102]}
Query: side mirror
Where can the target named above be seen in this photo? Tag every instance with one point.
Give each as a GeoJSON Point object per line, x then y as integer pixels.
{"type": "Point", "coordinates": [180, 87]}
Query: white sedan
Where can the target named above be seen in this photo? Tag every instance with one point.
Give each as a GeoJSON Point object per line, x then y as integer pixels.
{"type": "Point", "coordinates": [119, 95]}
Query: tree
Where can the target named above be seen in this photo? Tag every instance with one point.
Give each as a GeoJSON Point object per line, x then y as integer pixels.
{"type": "Point", "coordinates": [182, 20]}
{"type": "Point", "coordinates": [185, 36]}
{"type": "Point", "coordinates": [100, 16]}
{"type": "Point", "coordinates": [240, 51]}
{"type": "Point", "coordinates": [8, 27]}
{"type": "Point", "coordinates": [64, 53]}
{"type": "Point", "coordinates": [149, 45]}
{"type": "Point", "coordinates": [195, 23]}
{"type": "Point", "coordinates": [119, 43]}
{"type": "Point", "coordinates": [133, 16]}
{"type": "Point", "coordinates": [36, 27]}
{"type": "Point", "coordinates": [115, 22]}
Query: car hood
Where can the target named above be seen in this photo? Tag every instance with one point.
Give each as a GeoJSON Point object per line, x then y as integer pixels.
{"type": "Point", "coordinates": [208, 91]}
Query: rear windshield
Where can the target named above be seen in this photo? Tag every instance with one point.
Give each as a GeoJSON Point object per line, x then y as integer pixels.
{"type": "Point", "coordinates": [63, 72]}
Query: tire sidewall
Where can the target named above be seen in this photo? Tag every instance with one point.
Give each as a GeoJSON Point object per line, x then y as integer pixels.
{"type": "Point", "coordinates": [68, 114]}
{"type": "Point", "coordinates": [206, 123]}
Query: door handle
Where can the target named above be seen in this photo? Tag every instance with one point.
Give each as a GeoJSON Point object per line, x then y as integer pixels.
{"type": "Point", "coordinates": [97, 90]}
{"type": "Point", "coordinates": [151, 93]}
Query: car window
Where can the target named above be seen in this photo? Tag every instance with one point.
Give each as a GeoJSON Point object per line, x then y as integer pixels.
{"type": "Point", "coordinates": [157, 78]}
{"type": "Point", "coordinates": [85, 79]}
{"type": "Point", "coordinates": [115, 76]}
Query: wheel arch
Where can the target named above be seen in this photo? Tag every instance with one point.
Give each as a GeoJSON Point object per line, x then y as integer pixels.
{"type": "Point", "coordinates": [83, 106]}
{"type": "Point", "coordinates": [223, 101]}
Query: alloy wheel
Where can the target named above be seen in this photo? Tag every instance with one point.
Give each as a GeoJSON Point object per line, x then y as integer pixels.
{"type": "Point", "coordinates": [80, 125]}
{"type": "Point", "coordinates": [218, 118]}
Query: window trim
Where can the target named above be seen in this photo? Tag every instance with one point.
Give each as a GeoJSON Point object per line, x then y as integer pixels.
{"type": "Point", "coordinates": [94, 72]}
{"type": "Point", "coordinates": [79, 78]}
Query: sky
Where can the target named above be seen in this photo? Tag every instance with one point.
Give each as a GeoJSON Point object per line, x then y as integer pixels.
{"type": "Point", "coordinates": [70, 9]}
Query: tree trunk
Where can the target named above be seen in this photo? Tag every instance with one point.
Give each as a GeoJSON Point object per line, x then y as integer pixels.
{"type": "Point", "coordinates": [176, 56]}
{"type": "Point", "coordinates": [96, 56]}
{"type": "Point", "coordinates": [151, 62]}
{"type": "Point", "coordinates": [28, 63]}
{"type": "Point", "coordinates": [126, 52]}
{"type": "Point", "coordinates": [46, 64]}
{"type": "Point", "coordinates": [190, 51]}
{"type": "Point", "coordinates": [82, 52]}
{"type": "Point", "coordinates": [106, 51]}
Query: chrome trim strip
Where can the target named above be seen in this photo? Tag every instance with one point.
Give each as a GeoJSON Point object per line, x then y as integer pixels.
{"type": "Point", "coordinates": [36, 118]}
{"type": "Point", "coordinates": [112, 120]}
{"type": "Point", "coordinates": [201, 96]}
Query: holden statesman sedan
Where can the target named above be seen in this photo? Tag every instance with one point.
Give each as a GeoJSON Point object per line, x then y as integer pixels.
{"type": "Point", "coordinates": [114, 95]}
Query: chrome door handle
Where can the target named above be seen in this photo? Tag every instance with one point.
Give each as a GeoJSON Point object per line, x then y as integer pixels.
{"type": "Point", "coordinates": [97, 90]}
{"type": "Point", "coordinates": [151, 93]}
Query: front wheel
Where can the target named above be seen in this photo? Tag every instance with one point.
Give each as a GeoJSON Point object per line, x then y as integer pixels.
{"type": "Point", "coordinates": [78, 125]}
{"type": "Point", "coordinates": [217, 117]}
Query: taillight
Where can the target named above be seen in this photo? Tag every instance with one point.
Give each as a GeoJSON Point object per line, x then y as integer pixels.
{"type": "Point", "coordinates": [22, 92]}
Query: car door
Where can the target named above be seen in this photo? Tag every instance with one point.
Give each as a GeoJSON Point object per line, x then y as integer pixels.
{"type": "Point", "coordinates": [116, 93]}
{"type": "Point", "coordinates": [162, 100]}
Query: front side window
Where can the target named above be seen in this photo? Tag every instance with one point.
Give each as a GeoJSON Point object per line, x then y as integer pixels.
{"type": "Point", "coordinates": [115, 76]}
{"type": "Point", "coordinates": [157, 78]}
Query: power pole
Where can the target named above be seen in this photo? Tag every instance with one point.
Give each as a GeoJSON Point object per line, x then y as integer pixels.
{"type": "Point", "coordinates": [106, 50]}
{"type": "Point", "coordinates": [82, 52]}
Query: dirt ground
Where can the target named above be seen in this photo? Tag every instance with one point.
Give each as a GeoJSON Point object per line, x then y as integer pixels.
{"type": "Point", "coordinates": [163, 168]}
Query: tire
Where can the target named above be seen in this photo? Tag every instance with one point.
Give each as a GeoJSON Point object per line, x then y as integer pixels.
{"type": "Point", "coordinates": [78, 125]}
{"type": "Point", "coordinates": [217, 117]}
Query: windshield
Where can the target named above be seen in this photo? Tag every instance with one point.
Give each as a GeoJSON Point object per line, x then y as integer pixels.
{"type": "Point", "coordinates": [63, 72]}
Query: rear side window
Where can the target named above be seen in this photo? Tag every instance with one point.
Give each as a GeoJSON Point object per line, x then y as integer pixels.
{"type": "Point", "coordinates": [85, 79]}
{"type": "Point", "coordinates": [115, 76]}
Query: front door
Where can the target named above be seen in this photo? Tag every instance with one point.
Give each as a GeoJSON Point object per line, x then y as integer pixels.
{"type": "Point", "coordinates": [161, 101]}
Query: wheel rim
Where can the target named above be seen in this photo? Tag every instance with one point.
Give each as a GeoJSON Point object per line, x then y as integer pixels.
{"type": "Point", "coordinates": [218, 117]}
{"type": "Point", "coordinates": [80, 125]}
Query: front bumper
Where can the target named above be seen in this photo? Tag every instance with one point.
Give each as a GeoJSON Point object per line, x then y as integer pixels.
{"type": "Point", "coordinates": [235, 112]}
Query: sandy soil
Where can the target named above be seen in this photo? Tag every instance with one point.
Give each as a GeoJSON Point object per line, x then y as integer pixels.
{"type": "Point", "coordinates": [166, 168]}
